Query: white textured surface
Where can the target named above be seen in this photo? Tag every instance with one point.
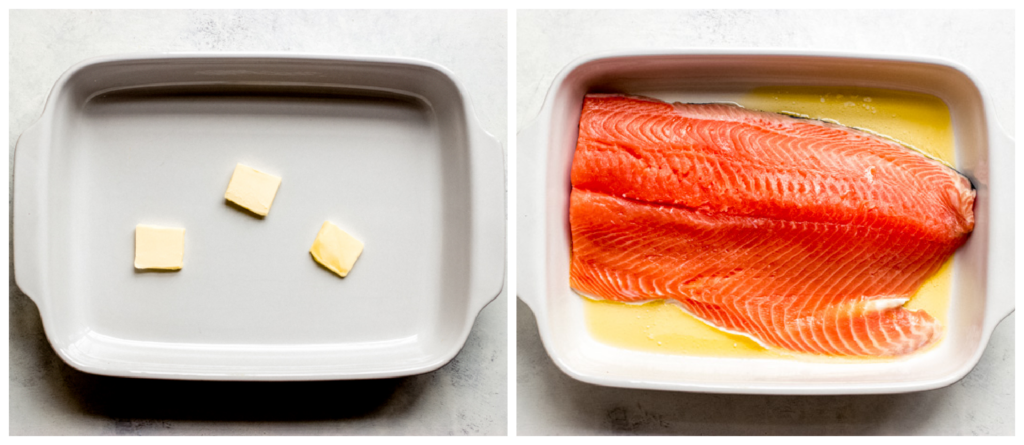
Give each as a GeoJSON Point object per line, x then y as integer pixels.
{"type": "Point", "coordinates": [980, 40]}
{"type": "Point", "coordinates": [466, 396]}
{"type": "Point", "coordinates": [550, 402]}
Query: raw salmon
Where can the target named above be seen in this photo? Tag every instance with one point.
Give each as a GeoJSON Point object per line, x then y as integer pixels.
{"type": "Point", "coordinates": [803, 235]}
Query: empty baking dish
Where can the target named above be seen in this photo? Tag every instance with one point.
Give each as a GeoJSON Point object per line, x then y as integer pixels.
{"type": "Point", "coordinates": [386, 148]}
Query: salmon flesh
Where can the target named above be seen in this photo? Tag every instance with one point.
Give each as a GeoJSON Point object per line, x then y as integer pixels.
{"type": "Point", "coordinates": [803, 235]}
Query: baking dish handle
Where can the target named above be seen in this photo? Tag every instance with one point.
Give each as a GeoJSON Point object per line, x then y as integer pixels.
{"type": "Point", "coordinates": [29, 219]}
{"type": "Point", "coordinates": [1001, 255]}
{"type": "Point", "coordinates": [530, 168]}
{"type": "Point", "coordinates": [488, 200]}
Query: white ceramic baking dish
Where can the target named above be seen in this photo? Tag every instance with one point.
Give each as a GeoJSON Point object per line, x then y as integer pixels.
{"type": "Point", "coordinates": [386, 148]}
{"type": "Point", "coordinates": [983, 268]}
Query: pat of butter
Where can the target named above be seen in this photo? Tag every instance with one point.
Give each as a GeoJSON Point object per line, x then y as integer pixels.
{"type": "Point", "coordinates": [159, 247]}
{"type": "Point", "coordinates": [335, 249]}
{"type": "Point", "coordinates": [252, 189]}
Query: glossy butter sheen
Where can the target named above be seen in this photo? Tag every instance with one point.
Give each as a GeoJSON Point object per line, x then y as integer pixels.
{"type": "Point", "coordinates": [917, 120]}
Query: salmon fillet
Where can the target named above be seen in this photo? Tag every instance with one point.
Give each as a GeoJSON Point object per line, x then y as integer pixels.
{"type": "Point", "coordinates": [802, 235]}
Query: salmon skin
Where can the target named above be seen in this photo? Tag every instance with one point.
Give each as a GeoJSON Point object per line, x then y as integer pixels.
{"type": "Point", "coordinates": [803, 235]}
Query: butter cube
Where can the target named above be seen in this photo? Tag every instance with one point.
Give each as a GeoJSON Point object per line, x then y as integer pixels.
{"type": "Point", "coordinates": [252, 189]}
{"type": "Point", "coordinates": [159, 247]}
{"type": "Point", "coordinates": [335, 249]}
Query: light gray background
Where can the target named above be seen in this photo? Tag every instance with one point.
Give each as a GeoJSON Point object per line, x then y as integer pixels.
{"type": "Point", "coordinates": [550, 402]}
{"type": "Point", "coordinates": [466, 396]}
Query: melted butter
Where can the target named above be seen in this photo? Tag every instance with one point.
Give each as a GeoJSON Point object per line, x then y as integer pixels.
{"type": "Point", "coordinates": [933, 296]}
{"type": "Point", "coordinates": [664, 327]}
{"type": "Point", "coordinates": [917, 120]}
{"type": "Point", "coordinates": [920, 121]}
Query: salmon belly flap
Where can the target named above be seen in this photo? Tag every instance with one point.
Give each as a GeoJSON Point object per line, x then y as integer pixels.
{"type": "Point", "coordinates": [803, 235]}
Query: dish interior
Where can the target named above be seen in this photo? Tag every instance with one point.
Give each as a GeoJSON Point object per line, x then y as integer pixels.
{"type": "Point", "coordinates": [385, 162]}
